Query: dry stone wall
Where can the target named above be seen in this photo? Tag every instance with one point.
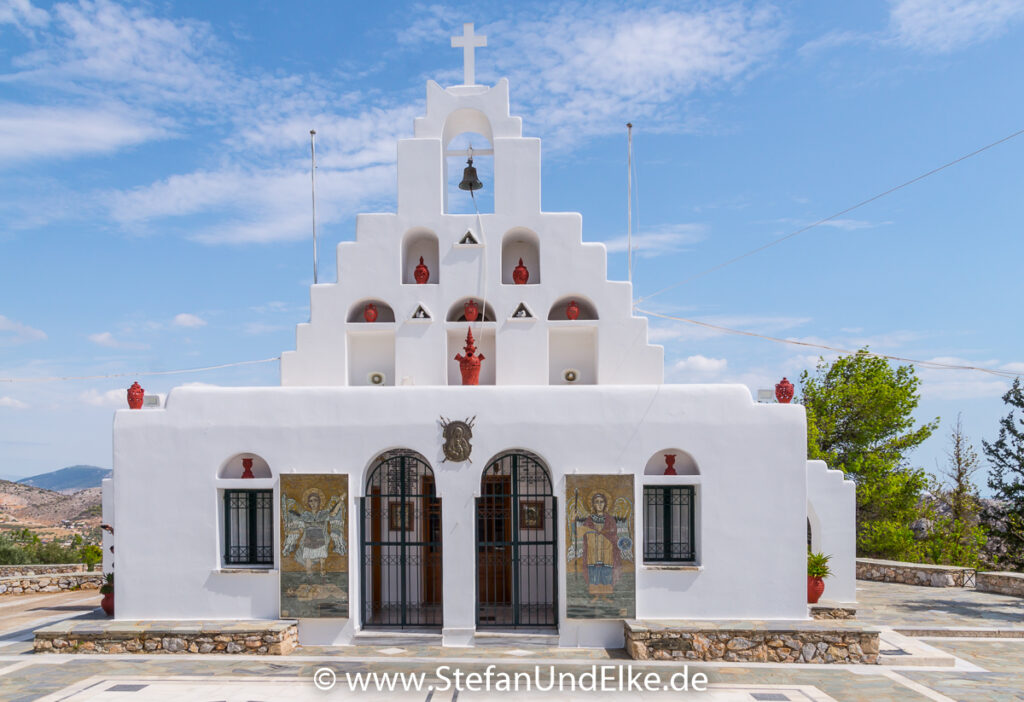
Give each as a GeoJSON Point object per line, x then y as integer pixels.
{"type": "Point", "coordinates": [50, 583]}
{"type": "Point", "coordinates": [911, 573]}
{"type": "Point", "coordinates": [10, 571]}
{"type": "Point", "coordinates": [276, 638]}
{"type": "Point", "coordinates": [1002, 583]}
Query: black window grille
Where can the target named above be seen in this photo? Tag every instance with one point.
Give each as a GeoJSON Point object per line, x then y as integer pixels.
{"type": "Point", "coordinates": [668, 523]}
{"type": "Point", "coordinates": [248, 527]}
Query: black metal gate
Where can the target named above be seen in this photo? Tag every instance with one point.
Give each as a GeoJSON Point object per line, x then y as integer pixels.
{"type": "Point", "coordinates": [400, 549]}
{"type": "Point", "coordinates": [516, 554]}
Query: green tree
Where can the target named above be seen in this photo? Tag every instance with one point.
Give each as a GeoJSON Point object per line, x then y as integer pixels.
{"type": "Point", "coordinates": [860, 420]}
{"type": "Point", "coordinates": [1006, 479]}
{"type": "Point", "coordinates": [957, 537]}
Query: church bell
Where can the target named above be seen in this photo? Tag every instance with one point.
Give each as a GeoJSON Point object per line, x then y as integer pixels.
{"type": "Point", "coordinates": [470, 181]}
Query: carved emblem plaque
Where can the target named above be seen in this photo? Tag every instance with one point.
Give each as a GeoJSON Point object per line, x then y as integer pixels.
{"type": "Point", "coordinates": [456, 439]}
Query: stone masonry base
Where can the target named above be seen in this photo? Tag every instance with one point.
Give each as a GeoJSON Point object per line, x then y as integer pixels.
{"type": "Point", "coordinates": [756, 642]}
{"type": "Point", "coordinates": [270, 637]}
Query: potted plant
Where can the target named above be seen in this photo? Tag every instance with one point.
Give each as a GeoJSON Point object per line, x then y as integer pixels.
{"type": "Point", "coordinates": [107, 590]}
{"type": "Point", "coordinates": [817, 571]}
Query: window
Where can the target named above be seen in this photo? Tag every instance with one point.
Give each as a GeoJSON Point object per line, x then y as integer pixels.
{"type": "Point", "coordinates": [248, 527]}
{"type": "Point", "coordinates": [668, 523]}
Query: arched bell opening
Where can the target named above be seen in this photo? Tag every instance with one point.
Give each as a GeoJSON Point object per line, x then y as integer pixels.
{"type": "Point", "coordinates": [572, 308]}
{"type": "Point", "coordinates": [420, 259]}
{"type": "Point", "coordinates": [516, 544]}
{"type": "Point", "coordinates": [520, 244]}
{"type": "Point", "coordinates": [469, 164]}
{"type": "Point", "coordinates": [400, 519]}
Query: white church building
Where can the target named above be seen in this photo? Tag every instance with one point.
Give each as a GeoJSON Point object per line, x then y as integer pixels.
{"type": "Point", "coordinates": [566, 491]}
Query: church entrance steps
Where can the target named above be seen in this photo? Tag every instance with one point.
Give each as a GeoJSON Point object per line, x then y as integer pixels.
{"type": "Point", "coordinates": [517, 639]}
{"type": "Point", "coordinates": [275, 637]}
{"type": "Point", "coordinates": [897, 649]}
{"type": "Point", "coordinates": [780, 641]}
{"type": "Point", "coordinates": [406, 637]}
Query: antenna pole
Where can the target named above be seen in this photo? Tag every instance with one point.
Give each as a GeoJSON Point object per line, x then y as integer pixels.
{"type": "Point", "coordinates": [629, 201]}
{"type": "Point", "coordinates": [312, 177]}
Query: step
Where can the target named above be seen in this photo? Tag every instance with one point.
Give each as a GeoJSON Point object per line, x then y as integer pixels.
{"type": "Point", "coordinates": [899, 650]}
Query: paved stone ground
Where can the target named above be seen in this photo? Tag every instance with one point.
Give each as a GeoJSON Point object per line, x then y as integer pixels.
{"type": "Point", "coordinates": [986, 668]}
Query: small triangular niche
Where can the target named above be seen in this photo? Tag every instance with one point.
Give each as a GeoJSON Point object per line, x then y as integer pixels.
{"type": "Point", "coordinates": [522, 312]}
{"type": "Point", "coordinates": [468, 239]}
{"type": "Point", "coordinates": [420, 313]}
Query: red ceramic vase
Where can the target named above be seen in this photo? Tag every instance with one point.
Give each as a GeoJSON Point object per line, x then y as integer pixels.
{"type": "Point", "coordinates": [107, 603]}
{"type": "Point", "coordinates": [572, 310]}
{"type": "Point", "coordinates": [472, 310]}
{"type": "Point", "coordinates": [519, 274]}
{"type": "Point", "coordinates": [815, 587]}
{"type": "Point", "coordinates": [670, 464]}
{"type": "Point", "coordinates": [247, 468]}
{"type": "Point", "coordinates": [421, 273]}
{"type": "Point", "coordinates": [784, 391]}
{"type": "Point", "coordinates": [135, 395]}
{"type": "Point", "coordinates": [370, 312]}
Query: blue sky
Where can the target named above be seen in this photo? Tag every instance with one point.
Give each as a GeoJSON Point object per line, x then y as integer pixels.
{"type": "Point", "coordinates": [154, 185]}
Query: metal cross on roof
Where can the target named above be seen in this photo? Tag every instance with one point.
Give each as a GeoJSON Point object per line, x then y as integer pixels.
{"type": "Point", "coordinates": [468, 42]}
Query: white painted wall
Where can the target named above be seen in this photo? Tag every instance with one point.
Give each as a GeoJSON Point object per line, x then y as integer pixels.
{"type": "Point", "coordinates": [751, 491]}
{"type": "Point", "coordinates": [832, 511]}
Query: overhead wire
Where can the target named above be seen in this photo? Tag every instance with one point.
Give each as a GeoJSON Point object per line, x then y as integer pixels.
{"type": "Point", "coordinates": [823, 220]}
{"type": "Point", "coordinates": [55, 378]}
{"type": "Point", "coordinates": [938, 365]}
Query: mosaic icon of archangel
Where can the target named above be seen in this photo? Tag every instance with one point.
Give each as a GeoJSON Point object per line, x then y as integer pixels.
{"type": "Point", "coordinates": [313, 528]}
{"type": "Point", "coordinates": [600, 533]}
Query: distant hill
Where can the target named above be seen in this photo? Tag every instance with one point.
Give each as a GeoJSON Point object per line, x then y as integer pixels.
{"type": "Point", "coordinates": [26, 505]}
{"type": "Point", "coordinates": [70, 479]}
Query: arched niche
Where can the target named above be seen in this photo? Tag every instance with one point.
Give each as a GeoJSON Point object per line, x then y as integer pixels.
{"type": "Point", "coordinates": [520, 243]}
{"type": "Point", "coordinates": [478, 144]}
{"type": "Point", "coordinates": [457, 312]}
{"type": "Point", "coordinates": [559, 310]}
{"type": "Point", "coordinates": [233, 468]}
{"type": "Point", "coordinates": [419, 243]}
{"type": "Point", "coordinates": [684, 465]}
{"type": "Point", "coordinates": [357, 313]}
{"type": "Point", "coordinates": [465, 120]}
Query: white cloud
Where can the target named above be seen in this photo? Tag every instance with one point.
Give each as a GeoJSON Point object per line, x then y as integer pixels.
{"type": "Point", "coordinates": [663, 330]}
{"type": "Point", "coordinates": [62, 132]}
{"type": "Point", "coordinates": [6, 401]}
{"type": "Point", "coordinates": [104, 339]}
{"type": "Point", "coordinates": [23, 15]}
{"type": "Point", "coordinates": [945, 25]}
{"type": "Point", "coordinates": [701, 365]}
{"type": "Point", "coordinates": [850, 225]}
{"type": "Point", "coordinates": [105, 398]}
{"type": "Point", "coordinates": [256, 328]}
{"type": "Point", "coordinates": [12, 332]}
{"type": "Point", "coordinates": [665, 239]}
{"type": "Point", "coordinates": [188, 320]}
{"type": "Point", "coordinates": [1013, 367]}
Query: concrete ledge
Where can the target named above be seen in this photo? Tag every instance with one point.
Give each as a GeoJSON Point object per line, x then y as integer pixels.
{"type": "Point", "coordinates": [782, 641]}
{"type": "Point", "coordinates": [923, 574]}
{"type": "Point", "coordinates": [1004, 583]}
{"type": "Point", "coordinates": [35, 584]}
{"type": "Point", "coordinates": [263, 636]}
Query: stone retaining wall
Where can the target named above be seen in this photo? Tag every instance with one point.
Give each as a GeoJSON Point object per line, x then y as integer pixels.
{"type": "Point", "coordinates": [911, 573]}
{"type": "Point", "coordinates": [1003, 583]}
{"type": "Point", "coordinates": [10, 571]}
{"type": "Point", "coordinates": [746, 642]}
{"type": "Point", "coordinates": [50, 583]}
{"type": "Point", "coordinates": [827, 611]}
{"type": "Point", "coordinates": [276, 638]}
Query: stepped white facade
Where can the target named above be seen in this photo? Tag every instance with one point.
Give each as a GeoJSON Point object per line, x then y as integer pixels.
{"type": "Point", "coordinates": [534, 531]}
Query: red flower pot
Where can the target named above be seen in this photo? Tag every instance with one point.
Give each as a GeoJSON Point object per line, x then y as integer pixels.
{"type": "Point", "coordinates": [135, 396]}
{"type": "Point", "coordinates": [421, 273]}
{"type": "Point", "coordinates": [520, 274]}
{"type": "Point", "coordinates": [815, 587]}
{"type": "Point", "coordinates": [107, 603]}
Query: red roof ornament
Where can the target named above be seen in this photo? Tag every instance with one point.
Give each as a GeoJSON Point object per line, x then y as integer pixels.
{"type": "Point", "coordinates": [135, 395]}
{"type": "Point", "coordinates": [784, 391]}
{"type": "Point", "coordinates": [469, 365]}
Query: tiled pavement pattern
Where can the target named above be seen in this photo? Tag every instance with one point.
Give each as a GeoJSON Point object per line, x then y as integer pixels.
{"type": "Point", "coordinates": [986, 669]}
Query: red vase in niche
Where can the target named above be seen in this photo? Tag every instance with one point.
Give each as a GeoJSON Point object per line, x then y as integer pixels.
{"type": "Point", "coordinates": [135, 395]}
{"type": "Point", "coordinates": [247, 468]}
{"type": "Point", "coordinates": [421, 273]}
{"type": "Point", "coordinates": [572, 310]}
{"type": "Point", "coordinates": [469, 365]}
{"type": "Point", "coordinates": [784, 391]}
{"type": "Point", "coordinates": [370, 312]}
{"type": "Point", "coordinates": [519, 274]}
{"type": "Point", "coordinates": [670, 464]}
{"type": "Point", "coordinates": [472, 311]}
